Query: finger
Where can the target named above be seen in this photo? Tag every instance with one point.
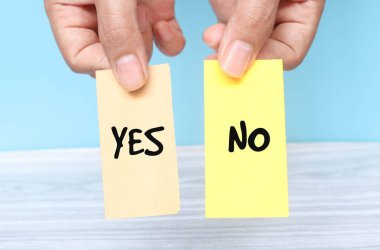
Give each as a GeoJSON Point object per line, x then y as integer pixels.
{"type": "Point", "coordinates": [223, 9]}
{"type": "Point", "coordinates": [246, 32]}
{"type": "Point", "coordinates": [293, 36]}
{"type": "Point", "coordinates": [76, 36]}
{"type": "Point", "coordinates": [213, 56]}
{"type": "Point", "coordinates": [169, 37]}
{"type": "Point", "coordinates": [213, 34]}
{"type": "Point", "coordinates": [145, 30]}
{"type": "Point", "coordinates": [122, 41]}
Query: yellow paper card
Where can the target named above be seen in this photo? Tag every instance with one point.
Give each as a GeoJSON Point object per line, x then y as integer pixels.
{"type": "Point", "coordinates": [245, 142]}
{"type": "Point", "coordinates": [140, 175]}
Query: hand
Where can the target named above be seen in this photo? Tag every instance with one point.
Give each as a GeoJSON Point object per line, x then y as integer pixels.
{"type": "Point", "coordinates": [117, 34]}
{"type": "Point", "coordinates": [262, 29]}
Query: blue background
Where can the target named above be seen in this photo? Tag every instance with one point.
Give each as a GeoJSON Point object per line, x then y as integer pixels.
{"type": "Point", "coordinates": [333, 96]}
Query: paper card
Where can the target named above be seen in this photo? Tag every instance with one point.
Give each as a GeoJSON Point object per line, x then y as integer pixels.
{"type": "Point", "coordinates": [245, 142]}
{"type": "Point", "coordinates": [140, 175]}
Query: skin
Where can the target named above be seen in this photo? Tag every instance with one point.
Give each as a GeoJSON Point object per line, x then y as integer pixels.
{"type": "Point", "coordinates": [266, 29]}
{"type": "Point", "coordinates": [99, 34]}
{"type": "Point", "coordinates": [119, 34]}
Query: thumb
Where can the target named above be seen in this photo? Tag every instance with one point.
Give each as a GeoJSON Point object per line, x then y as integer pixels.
{"type": "Point", "coordinates": [120, 36]}
{"type": "Point", "coordinates": [246, 33]}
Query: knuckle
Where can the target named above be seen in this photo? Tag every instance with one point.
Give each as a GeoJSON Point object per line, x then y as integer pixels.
{"type": "Point", "coordinates": [75, 65]}
{"type": "Point", "coordinates": [49, 5]}
{"type": "Point", "coordinates": [293, 61]}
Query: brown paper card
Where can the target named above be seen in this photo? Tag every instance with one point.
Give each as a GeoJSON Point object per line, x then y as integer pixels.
{"type": "Point", "coordinates": [140, 184]}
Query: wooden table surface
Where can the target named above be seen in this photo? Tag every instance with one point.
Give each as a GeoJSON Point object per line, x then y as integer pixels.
{"type": "Point", "coordinates": [53, 200]}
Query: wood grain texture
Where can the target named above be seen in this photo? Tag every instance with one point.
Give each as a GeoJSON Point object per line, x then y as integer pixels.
{"type": "Point", "coordinates": [53, 200]}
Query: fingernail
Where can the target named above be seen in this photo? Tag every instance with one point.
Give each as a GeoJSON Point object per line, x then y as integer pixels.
{"type": "Point", "coordinates": [235, 59]}
{"type": "Point", "coordinates": [165, 33]}
{"type": "Point", "coordinates": [130, 72]}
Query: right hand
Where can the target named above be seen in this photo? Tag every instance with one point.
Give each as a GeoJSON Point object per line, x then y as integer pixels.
{"type": "Point", "coordinates": [262, 29]}
{"type": "Point", "coordinates": [118, 34]}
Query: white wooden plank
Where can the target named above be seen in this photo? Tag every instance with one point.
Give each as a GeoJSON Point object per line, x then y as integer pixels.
{"type": "Point", "coordinates": [52, 199]}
